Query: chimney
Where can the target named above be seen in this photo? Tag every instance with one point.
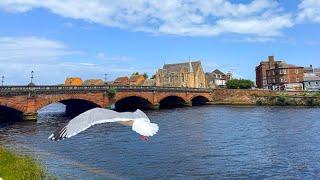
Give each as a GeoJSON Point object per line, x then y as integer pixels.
{"type": "Point", "coordinates": [271, 58]}
{"type": "Point", "coordinates": [312, 68]}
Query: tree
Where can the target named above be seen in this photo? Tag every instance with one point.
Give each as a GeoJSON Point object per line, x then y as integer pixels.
{"type": "Point", "coordinates": [239, 84]}
{"type": "Point", "coordinates": [145, 75]}
{"type": "Point", "coordinates": [153, 76]}
{"type": "Point", "coordinates": [135, 74]}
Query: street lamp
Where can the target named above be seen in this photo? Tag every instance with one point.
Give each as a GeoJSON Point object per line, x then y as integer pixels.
{"type": "Point", "coordinates": [105, 78]}
{"type": "Point", "coordinates": [31, 77]}
{"type": "Point", "coordinates": [2, 80]}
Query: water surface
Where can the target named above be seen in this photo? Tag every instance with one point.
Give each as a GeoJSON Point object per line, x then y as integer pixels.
{"type": "Point", "coordinates": [193, 143]}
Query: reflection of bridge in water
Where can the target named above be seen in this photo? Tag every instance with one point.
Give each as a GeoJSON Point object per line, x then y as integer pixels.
{"type": "Point", "coordinates": [25, 101]}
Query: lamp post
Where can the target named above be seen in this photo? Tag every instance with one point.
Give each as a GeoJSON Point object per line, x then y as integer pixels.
{"type": "Point", "coordinates": [2, 80]}
{"type": "Point", "coordinates": [105, 78]}
{"type": "Point", "coordinates": [31, 77]}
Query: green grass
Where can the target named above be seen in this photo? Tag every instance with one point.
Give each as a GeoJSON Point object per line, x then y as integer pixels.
{"type": "Point", "coordinates": [15, 166]}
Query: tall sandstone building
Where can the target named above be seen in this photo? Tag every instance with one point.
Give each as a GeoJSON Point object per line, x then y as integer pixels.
{"type": "Point", "coordinates": [188, 74]}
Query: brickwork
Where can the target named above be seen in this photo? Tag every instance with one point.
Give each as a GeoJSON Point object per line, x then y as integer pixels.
{"type": "Point", "coordinates": [29, 105]}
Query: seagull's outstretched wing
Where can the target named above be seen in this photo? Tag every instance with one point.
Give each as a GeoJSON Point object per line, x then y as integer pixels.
{"type": "Point", "coordinates": [93, 117]}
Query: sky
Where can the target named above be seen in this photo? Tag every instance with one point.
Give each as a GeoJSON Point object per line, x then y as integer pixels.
{"type": "Point", "coordinates": [58, 39]}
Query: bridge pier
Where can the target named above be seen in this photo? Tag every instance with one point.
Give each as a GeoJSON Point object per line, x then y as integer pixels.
{"type": "Point", "coordinates": [188, 104]}
{"type": "Point", "coordinates": [155, 106]}
{"type": "Point", "coordinates": [30, 116]}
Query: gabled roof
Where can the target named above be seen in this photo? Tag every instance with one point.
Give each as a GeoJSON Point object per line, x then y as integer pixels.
{"type": "Point", "coordinates": [177, 67]}
{"type": "Point", "coordinates": [122, 79]}
{"type": "Point", "coordinates": [136, 78]}
{"type": "Point", "coordinates": [217, 71]}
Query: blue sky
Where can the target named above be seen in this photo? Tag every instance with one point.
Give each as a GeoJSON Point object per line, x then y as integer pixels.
{"type": "Point", "coordinates": [83, 38]}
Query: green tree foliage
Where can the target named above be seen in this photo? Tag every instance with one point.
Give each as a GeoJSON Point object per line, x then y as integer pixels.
{"type": "Point", "coordinates": [281, 101]}
{"type": "Point", "coordinates": [145, 75]}
{"type": "Point", "coordinates": [239, 84]}
{"type": "Point", "coordinates": [135, 74]}
{"type": "Point", "coordinates": [153, 76]}
{"type": "Point", "coordinates": [112, 93]}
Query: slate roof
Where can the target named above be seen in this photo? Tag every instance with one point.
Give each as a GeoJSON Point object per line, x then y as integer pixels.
{"type": "Point", "coordinates": [217, 71]}
{"type": "Point", "coordinates": [177, 67]}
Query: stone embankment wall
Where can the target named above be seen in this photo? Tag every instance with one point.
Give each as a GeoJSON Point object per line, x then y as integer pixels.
{"type": "Point", "coordinates": [265, 97]}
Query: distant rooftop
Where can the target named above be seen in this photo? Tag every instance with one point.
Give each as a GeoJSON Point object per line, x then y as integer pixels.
{"type": "Point", "coordinates": [178, 66]}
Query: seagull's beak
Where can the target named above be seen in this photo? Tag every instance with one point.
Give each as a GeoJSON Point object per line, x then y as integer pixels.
{"type": "Point", "coordinates": [144, 138]}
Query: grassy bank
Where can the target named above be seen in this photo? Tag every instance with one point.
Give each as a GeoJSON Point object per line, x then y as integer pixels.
{"type": "Point", "coordinates": [14, 166]}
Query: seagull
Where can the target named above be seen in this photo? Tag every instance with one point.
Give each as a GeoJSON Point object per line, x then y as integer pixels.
{"type": "Point", "coordinates": [138, 120]}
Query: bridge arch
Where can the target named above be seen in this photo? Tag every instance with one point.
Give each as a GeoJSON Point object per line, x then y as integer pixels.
{"type": "Point", "coordinates": [172, 101]}
{"type": "Point", "coordinates": [10, 113]}
{"type": "Point", "coordinates": [132, 103]}
{"type": "Point", "coordinates": [199, 100]}
{"type": "Point", "coordinates": [74, 105]}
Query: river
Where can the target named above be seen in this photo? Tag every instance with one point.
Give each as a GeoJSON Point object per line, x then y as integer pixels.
{"type": "Point", "coordinates": [193, 143]}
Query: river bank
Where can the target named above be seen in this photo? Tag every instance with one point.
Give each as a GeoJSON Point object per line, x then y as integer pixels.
{"type": "Point", "coordinates": [15, 166]}
{"type": "Point", "coordinates": [265, 97]}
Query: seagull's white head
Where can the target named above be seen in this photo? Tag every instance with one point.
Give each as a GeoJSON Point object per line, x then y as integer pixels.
{"type": "Point", "coordinates": [143, 126]}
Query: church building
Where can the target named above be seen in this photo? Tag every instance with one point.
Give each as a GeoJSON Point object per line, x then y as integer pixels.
{"type": "Point", "coordinates": [188, 74]}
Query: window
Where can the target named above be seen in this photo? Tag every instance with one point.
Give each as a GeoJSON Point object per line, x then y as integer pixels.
{"type": "Point", "coordinates": [297, 79]}
{"type": "Point", "coordinates": [281, 80]}
{"type": "Point", "coordinates": [297, 71]}
{"type": "Point", "coordinates": [272, 72]}
{"type": "Point", "coordinates": [283, 71]}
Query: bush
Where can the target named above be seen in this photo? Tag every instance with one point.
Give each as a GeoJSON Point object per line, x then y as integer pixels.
{"type": "Point", "coordinates": [291, 102]}
{"type": "Point", "coordinates": [312, 102]}
{"type": "Point", "coordinates": [239, 84]}
{"type": "Point", "coordinates": [112, 93]}
{"type": "Point", "coordinates": [281, 101]}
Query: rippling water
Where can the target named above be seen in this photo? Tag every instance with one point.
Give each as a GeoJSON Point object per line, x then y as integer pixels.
{"type": "Point", "coordinates": [198, 142]}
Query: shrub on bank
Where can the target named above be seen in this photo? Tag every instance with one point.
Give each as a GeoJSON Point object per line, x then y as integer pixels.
{"type": "Point", "coordinates": [312, 102]}
{"type": "Point", "coordinates": [239, 84]}
{"type": "Point", "coordinates": [281, 101]}
{"type": "Point", "coordinates": [14, 166]}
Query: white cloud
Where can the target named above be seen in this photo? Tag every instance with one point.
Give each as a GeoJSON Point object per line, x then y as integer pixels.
{"type": "Point", "coordinates": [178, 17]}
{"type": "Point", "coordinates": [32, 49]}
{"type": "Point", "coordinates": [309, 10]}
{"type": "Point", "coordinates": [50, 60]}
{"type": "Point", "coordinates": [114, 59]}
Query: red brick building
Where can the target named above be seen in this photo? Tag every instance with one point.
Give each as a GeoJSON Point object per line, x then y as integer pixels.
{"type": "Point", "coordinates": [278, 75]}
{"type": "Point", "coordinates": [285, 77]}
{"type": "Point", "coordinates": [261, 72]}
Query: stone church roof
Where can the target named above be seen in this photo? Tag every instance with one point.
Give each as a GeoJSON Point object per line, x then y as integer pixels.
{"type": "Point", "coordinates": [177, 67]}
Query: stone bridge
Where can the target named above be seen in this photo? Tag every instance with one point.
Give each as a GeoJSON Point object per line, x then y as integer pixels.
{"type": "Point", "coordinates": [25, 101]}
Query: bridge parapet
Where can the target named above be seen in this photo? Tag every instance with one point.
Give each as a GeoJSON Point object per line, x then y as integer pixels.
{"type": "Point", "coordinates": [32, 90]}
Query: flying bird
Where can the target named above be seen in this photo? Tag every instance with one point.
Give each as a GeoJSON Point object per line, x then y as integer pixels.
{"type": "Point", "coordinates": [138, 120]}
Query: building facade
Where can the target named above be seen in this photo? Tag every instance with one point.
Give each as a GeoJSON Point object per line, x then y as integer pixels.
{"type": "Point", "coordinates": [285, 77]}
{"type": "Point", "coordinates": [217, 79]}
{"type": "Point", "coordinates": [261, 71]}
{"type": "Point", "coordinates": [189, 74]}
{"type": "Point", "coordinates": [311, 83]}
{"type": "Point", "coordinates": [278, 75]}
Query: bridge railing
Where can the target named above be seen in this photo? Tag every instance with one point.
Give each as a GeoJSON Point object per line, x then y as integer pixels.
{"type": "Point", "coordinates": [7, 90]}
